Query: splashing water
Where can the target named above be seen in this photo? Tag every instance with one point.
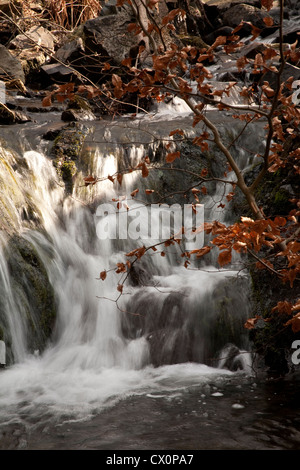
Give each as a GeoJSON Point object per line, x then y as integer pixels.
{"type": "Point", "coordinates": [103, 351]}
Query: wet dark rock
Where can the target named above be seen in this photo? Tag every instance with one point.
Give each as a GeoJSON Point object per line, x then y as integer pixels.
{"type": "Point", "coordinates": [66, 152]}
{"type": "Point", "coordinates": [78, 109]}
{"type": "Point", "coordinates": [215, 9]}
{"type": "Point", "coordinates": [243, 12]}
{"type": "Point", "coordinates": [57, 72]}
{"type": "Point", "coordinates": [8, 116]}
{"type": "Point", "coordinates": [179, 330]}
{"type": "Point", "coordinates": [223, 31]}
{"type": "Point", "coordinates": [139, 276]}
{"type": "Point", "coordinates": [51, 134]}
{"type": "Point", "coordinates": [70, 115]}
{"type": "Point", "coordinates": [33, 291]}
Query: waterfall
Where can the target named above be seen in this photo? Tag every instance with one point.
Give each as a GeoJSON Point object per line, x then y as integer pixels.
{"type": "Point", "coordinates": [163, 333]}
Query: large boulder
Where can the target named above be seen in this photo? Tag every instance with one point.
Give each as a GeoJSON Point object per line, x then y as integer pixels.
{"type": "Point", "coordinates": [11, 67]}
{"type": "Point", "coordinates": [35, 36]}
{"type": "Point", "coordinates": [108, 36]}
{"type": "Point", "coordinates": [214, 11]}
{"type": "Point", "coordinates": [244, 12]}
{"type": "Point", "coordinates": [32, 48]}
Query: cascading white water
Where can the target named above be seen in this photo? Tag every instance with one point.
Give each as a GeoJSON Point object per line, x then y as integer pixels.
{"type": "Point", "coordinates": [99, 353]}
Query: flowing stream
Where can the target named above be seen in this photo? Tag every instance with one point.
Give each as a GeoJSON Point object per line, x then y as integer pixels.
{"type": "Point", "coordinates": [153, 369]}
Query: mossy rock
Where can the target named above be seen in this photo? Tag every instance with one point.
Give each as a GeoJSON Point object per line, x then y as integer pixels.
{"type": "Point", "coordinates": [66, 151]}
{"type": "Point", "coordinates": [34, 294]}
{"type": "Point", "coordinates": [195, 41]}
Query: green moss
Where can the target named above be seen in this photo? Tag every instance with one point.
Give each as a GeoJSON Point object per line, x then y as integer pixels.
{"type": "Point", "coordinates": [68, 170]}
{"type": "Point", "coordinates": [79, 103]}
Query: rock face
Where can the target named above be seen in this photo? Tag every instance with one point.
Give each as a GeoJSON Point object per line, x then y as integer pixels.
{"type": "Point", "coordinates": [33, 292]}
{"type": "Point", "coordinates": [108, 36]}
{"type": "Point", "coordinates": [14, 201]}
{"type": "Point", "coordinates": [179, 330]}
{"type": "Point", "coordinates": [11, 67]}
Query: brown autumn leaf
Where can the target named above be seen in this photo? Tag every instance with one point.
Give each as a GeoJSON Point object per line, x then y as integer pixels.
{"type": "Point", "coordinates": [121, 268]}
{"type": "Point", "coordinates": [118, 84]}
{"type": "Point", "coordinates": [294, 322]}
{"type": "Point", "coordinates": [120, 288]}
{"type": "Point", "coordinates": [176, 131]}
{"type": "Point", "coordinates": [269, 92]}
{"type": "Point", "coordinates": [268, 21]}
{"type": "Point", "coordinates": [281, 221]}
{"type": "Point", "coordinates": [138, 252]}
{"type": "Point", "coordinates": [106, 66]}
{"type": "Point", "coordinates": [197, 119]}
{"type": "Point", "coordinates": [103, 275]}
{"type": "Point", "coordinates": [134, 193]}
{"type": "Point", "coordinates": [283, 307]}
{"type": "Point", "coordinates": [145, 171]}
{"type": "Point", "coordinates": [201, 251]}
{"type": "Point", "coordinates": [224, 257]}
{"type": "Point", "coordinates": [170, 157]}
{"type": "Point", "coordinates": [172, 14]}
{"type": "Point", "coordinates": [260, 265]}
{"type": "Point", "coordinates": [218, 42]}
{"type": "Point", "coordinates": [251, 322]}
{"type": "Point", "coordinates": [47, 101]}
{"type": "Point", "coordinates": [267, 4]}
{"type": "Point", "coordinates": [89, 180]}
{"type": "Point", "coordinates": [119, 178]}
{"type": "Point", "coordinates": [127, 62]}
